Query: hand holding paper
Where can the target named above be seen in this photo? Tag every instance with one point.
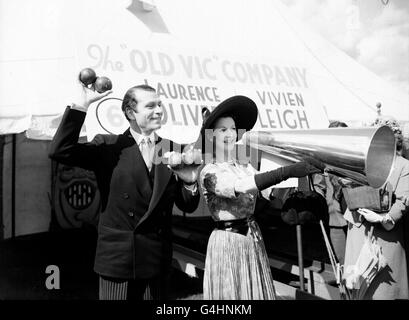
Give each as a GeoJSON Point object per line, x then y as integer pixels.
{"type": "Point", "coordinates": [370, 215]}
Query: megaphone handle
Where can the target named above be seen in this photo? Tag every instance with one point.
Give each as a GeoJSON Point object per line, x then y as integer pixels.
{"type": "Point", "coordinates": [300, 257]}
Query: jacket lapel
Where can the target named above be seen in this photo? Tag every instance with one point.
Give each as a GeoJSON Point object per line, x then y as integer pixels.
{"type": "Point", "coordinates": [161, 179]}
{"type": "Point", "coordinates": [137, 163]}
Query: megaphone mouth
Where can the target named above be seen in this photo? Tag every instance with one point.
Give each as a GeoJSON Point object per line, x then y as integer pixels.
{"type": "Point", "coordinates": [380, 157]}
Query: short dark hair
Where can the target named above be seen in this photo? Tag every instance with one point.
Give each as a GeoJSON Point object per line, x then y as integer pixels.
{"type": "Point", "coordinates": [336, 124]}
{"type": "Point", "coordinates": [129, 100]}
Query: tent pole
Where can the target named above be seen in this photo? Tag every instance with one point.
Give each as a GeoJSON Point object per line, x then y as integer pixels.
{"type": "Point", "coordinates": [13, 185]}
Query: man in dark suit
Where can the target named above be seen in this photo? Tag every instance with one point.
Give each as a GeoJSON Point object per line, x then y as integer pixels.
{"type": "Point", "coordinates": [138, 191]}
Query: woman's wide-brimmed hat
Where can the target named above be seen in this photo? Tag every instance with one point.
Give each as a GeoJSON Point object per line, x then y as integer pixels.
{"type": "Point", "coordinates": [242, 109]}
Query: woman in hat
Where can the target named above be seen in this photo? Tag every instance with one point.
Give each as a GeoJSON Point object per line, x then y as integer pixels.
{"type": "Point", "coordinates": [236, 264]}
{"type": "Point", "coordinates": [389, 229]}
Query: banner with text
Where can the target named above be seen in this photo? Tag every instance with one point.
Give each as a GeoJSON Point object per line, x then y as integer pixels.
{"type": "Point", "coordinates": [187, 81]}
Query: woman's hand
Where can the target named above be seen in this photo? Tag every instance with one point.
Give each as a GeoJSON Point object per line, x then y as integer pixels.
{"type": "Point", "coordinates": [373, 217]}
{"type": "Point", "coordinates": [370, 215]}
{"type": "Point", "coordinates": [300, 169]}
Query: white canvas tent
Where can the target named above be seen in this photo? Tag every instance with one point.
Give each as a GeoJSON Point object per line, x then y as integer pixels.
{"type": "Point", "coordinates": [234, 46]}
{"type": "Point", "coordinates": [196, 53]}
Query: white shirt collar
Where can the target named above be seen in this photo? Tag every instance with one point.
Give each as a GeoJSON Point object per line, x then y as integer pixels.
{"type": "Point", "coordinates": [138, 137]}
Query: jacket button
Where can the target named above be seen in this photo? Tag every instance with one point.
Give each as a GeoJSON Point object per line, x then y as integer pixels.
{"type": "Point", "coordinates": [125, 195]}
{"type": "Point", "coordinates": [130, 213]}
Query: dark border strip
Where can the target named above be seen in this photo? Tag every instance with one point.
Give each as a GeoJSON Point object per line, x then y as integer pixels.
{"type": "Point", "coordinates": [2, 146]}
{"type": "Point", "coordinates": [13, 186]}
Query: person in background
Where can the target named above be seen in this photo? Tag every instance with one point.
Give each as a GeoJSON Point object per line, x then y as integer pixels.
{"type": "Point", "coordinates": [405, 145]}
{"type": "Point", "coordinates": [236, 266]}
{"type": "Point", "coordinates": [138, 191]}
{"type": "Point", "coordinates": [405, 200]}
{"type": "Point", "coordinates": [330, 187]}
{"type": "Point", "coordinates": [389, 230]}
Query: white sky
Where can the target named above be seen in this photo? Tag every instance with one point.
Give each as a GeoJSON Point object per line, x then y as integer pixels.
{"type": "Point", "coordinates": [372, 32]}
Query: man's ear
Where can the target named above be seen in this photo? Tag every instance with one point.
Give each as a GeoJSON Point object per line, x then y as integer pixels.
{"type": "Point", "coordinates": [129, 114]}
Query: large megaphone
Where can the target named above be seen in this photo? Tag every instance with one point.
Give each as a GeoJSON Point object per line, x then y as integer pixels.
{"type": "Point", "coordinates": [364, 155]}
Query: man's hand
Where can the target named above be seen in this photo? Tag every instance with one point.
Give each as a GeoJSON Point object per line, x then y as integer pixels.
{"type": "Point", "coordinates": [87, 95]}
{"type": "Point", "coordinates": [192, 156]}
{"type": "Point", "coordinates": [188, 174]}
{"type": "Point", "coordinates": [185, 165]}
{"type": "Point", "coordinates": [371, 216]}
